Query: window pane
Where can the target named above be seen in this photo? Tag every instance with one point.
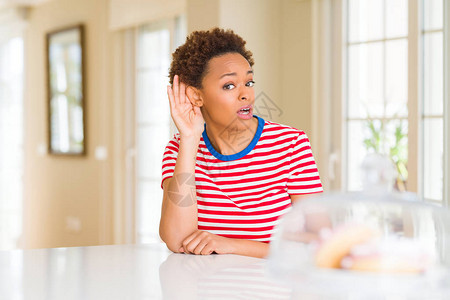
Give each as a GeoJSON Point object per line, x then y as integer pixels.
{"type": "Point", "coordinates": [365, 20]}
{"type": "Point", "coordinates": [396, 18]}
{"type": "Point", "coordinates": [153, 105]}
{"type": "Point", "coordinates": [365, 85]}
{"type": "Point", "coordinates": [374, 136]}
{"type": "Point", "coordinates": [11, 142]}
{"type": "Point", "coordinates": [152, 141]}
{"type": "Point", "coordinates": [433, 12]}
{"type": "Point", "coordinates": [154, 48]}
{"type": "Point", "coordinates": [356, 151]}
{"type": "Point", "coordinates": [149, 210]}
{"type": "Point", "coordinates": [433, 77]}
{"type": "Point", "coordinates": [153, 119]}
{"type": "Point", "coordinates": [396, 146]}
{"type": "Point", "coordinates": [396, 81]}
{"type": "Point", "coordinates": [433, 159]}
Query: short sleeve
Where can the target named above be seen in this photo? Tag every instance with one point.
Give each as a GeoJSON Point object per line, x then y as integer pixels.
{"type": "Point", "coordinates": [170, 158]}
{"type": "Point", "coordinates": [303, 174]}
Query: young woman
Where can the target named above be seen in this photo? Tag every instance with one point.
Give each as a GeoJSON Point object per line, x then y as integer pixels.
{"type": "Point", "coordinates": [228, 175]}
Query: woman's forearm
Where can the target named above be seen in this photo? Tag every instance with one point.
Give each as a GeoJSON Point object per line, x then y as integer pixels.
{"type": "Point", "coordinates": [179, 206]}
{"type": "Point", "coordinates": [249, 248]}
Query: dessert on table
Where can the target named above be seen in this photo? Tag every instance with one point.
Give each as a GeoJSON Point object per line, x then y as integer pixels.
{"type": "Point", "coordinates": [376, 240]}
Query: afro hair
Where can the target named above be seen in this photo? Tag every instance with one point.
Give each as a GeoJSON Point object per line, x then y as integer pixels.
{"type": "Point", "coordinates": [190, 60]}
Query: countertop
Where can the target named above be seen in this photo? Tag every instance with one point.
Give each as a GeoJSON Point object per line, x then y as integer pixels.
{"type": "Point", "coordinates": [151, 271]}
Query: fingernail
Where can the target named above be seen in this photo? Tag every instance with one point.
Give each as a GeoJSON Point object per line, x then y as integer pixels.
{"type": "Point", "coordinates": [181, 249]}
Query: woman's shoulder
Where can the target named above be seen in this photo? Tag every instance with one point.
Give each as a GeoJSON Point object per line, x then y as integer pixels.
{"type": "Point", "coordinates": [282, 129]}
{"type": "Point", "coordinates": [176, 137]}
{"type": "Point", "coordinates": [175, 140]}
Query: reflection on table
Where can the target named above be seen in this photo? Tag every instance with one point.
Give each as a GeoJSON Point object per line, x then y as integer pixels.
{"type": "Point", "coordinates": [153, 272]}
{"type": "Point", "coordinates": [133, 272]}
{"type": "Point", "coordinates": [218, 277]}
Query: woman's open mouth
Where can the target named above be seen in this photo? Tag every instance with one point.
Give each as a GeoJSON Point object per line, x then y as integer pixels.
{"type": "Point", "coordinates": [246, 112]}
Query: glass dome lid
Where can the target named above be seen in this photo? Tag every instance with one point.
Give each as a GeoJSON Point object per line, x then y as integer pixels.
{"type": "Point", "coordinates": [373, 241]}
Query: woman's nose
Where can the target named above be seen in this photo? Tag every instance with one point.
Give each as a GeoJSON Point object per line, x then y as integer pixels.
{"type": "Point", "coordinates": [243, 95]}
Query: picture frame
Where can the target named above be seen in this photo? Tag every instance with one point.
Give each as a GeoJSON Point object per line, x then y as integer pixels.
{"type": "Point", "coordinates": [66, 91]}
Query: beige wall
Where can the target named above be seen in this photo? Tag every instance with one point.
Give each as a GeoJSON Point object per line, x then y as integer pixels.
{"type": "Point", "coordinates": [126, 13]}
{"type": "Point", "coordinates": [59, 187]}
{"type": "Point", "coordinates": [296, 64]}
{"type": "Point", "coordinates": [278, 33]}
{"type": "Point", "coordinates": [202, 14]}
{"type": "Point", "coordinates": [258, 22]}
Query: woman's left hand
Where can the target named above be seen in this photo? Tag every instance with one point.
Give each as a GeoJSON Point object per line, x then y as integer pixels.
{"type": "Point", "coordinates": [204, 243]}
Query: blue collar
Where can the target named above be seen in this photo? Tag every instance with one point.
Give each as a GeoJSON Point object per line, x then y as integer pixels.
{"type": "Point", "coordinates": [239, 154]}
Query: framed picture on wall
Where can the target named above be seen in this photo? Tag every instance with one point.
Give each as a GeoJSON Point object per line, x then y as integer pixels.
{"type": "Point", "coordinates": [66, 91]}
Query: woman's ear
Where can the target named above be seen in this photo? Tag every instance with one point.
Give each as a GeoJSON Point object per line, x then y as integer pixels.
{"type": "Point", "coordinates": [194, 96]}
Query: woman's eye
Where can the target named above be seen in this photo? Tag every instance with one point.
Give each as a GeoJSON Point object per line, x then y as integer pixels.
{"type": "Point", "coordinates": [228, 86]}
{"type": "Point", "coordinates": [250, 83]}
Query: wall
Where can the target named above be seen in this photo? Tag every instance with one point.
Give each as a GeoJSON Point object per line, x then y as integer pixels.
{"type": "Point", "coordinates": [59, 187]}
{"type": "Point", "coordinates": [126, 13]}
{"type": "Point", "coordinates": [279, 35]}
{"type": "Point", "coordinates": [258, 22]}
{"type": "Point", "coordinates": [202, 14]}
{"type": "Point", "coordinates": [278, 32]}
{"type": "Point", "coordinates": [296, 64]}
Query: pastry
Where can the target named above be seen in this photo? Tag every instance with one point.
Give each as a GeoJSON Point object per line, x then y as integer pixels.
{"type": "Point", "coordinates": [337, 244]}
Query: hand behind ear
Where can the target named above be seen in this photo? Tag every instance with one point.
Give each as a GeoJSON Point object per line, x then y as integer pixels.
{"type": "Point", "coordinates": [193, 95]}
{"type": "Point", "coordinates": [186, 116]}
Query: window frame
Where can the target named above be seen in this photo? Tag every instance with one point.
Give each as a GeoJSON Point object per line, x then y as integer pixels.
{"type": "Point", "coordinates": [334, 156]}
{"type": "Point", "coordinates": [12, 234]}
{"type": "Point", "coordinates": [139, 181]}
{"type": "Point", "coordinates": [125, 143]}
{"type": "Point", "coordinates": [176, 26]}
{"type": "Point", "coordinates": [446, 183]}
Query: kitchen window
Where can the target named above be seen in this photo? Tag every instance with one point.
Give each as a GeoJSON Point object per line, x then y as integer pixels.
{"type": "Point", "coordinates": [11, 140]}
{"type": "Point", "coordinates": [394, 87]}
{"type": "Point", "coordinates": [153, 123]}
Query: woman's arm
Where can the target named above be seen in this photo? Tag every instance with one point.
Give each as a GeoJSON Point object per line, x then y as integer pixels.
{"type": "Point", "coordinates": [179, 206]}
{"type": "Point", "coordinates": [205, 243]}
{"type": "Point", "coordinates": [314, 222]}
{"type": "Point", "coordinates": [250, 248]}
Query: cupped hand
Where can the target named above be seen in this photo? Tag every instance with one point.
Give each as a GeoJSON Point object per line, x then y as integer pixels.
{"type": "Point", "coordinates": [187, 117]}
{"type": "Point", "coordinates": [205, 243]}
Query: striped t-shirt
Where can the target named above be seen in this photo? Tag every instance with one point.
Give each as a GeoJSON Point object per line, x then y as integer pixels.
{"type": "Point", "coordinates": [243, 195]}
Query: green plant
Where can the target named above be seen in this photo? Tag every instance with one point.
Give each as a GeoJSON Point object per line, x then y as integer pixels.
{"type": "Point", "coordinates": [396, 147]}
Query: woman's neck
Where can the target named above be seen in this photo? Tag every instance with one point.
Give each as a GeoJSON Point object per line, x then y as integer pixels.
{"type": "Point", "coordinates": [233, 138]}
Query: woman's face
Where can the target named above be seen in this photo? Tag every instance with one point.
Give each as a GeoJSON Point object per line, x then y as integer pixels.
{"type": "Point", "coordinates": [227, 89]}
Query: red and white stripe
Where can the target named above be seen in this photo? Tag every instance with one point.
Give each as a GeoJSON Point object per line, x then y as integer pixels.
{"type": "Point", "coordinates": [244, 198]}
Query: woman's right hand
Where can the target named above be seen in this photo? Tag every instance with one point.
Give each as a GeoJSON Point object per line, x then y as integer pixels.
{"type": "Point", "coordinates": [187, 117]}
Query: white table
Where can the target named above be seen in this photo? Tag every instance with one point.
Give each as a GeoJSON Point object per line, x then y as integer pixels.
{"type": "Point", "coordinates": [132, 272]}
{"type": "Point", "coordinates": [153, 272]}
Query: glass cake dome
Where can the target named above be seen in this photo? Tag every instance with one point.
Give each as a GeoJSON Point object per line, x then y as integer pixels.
{"type": "Point", "coordinates": [374, 242]}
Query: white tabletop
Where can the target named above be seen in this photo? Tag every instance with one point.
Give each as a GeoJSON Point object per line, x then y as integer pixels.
{"type": "Point", "coordinates": [153, 272]}
{"type": "Point", "coordinates": [133, 272]}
